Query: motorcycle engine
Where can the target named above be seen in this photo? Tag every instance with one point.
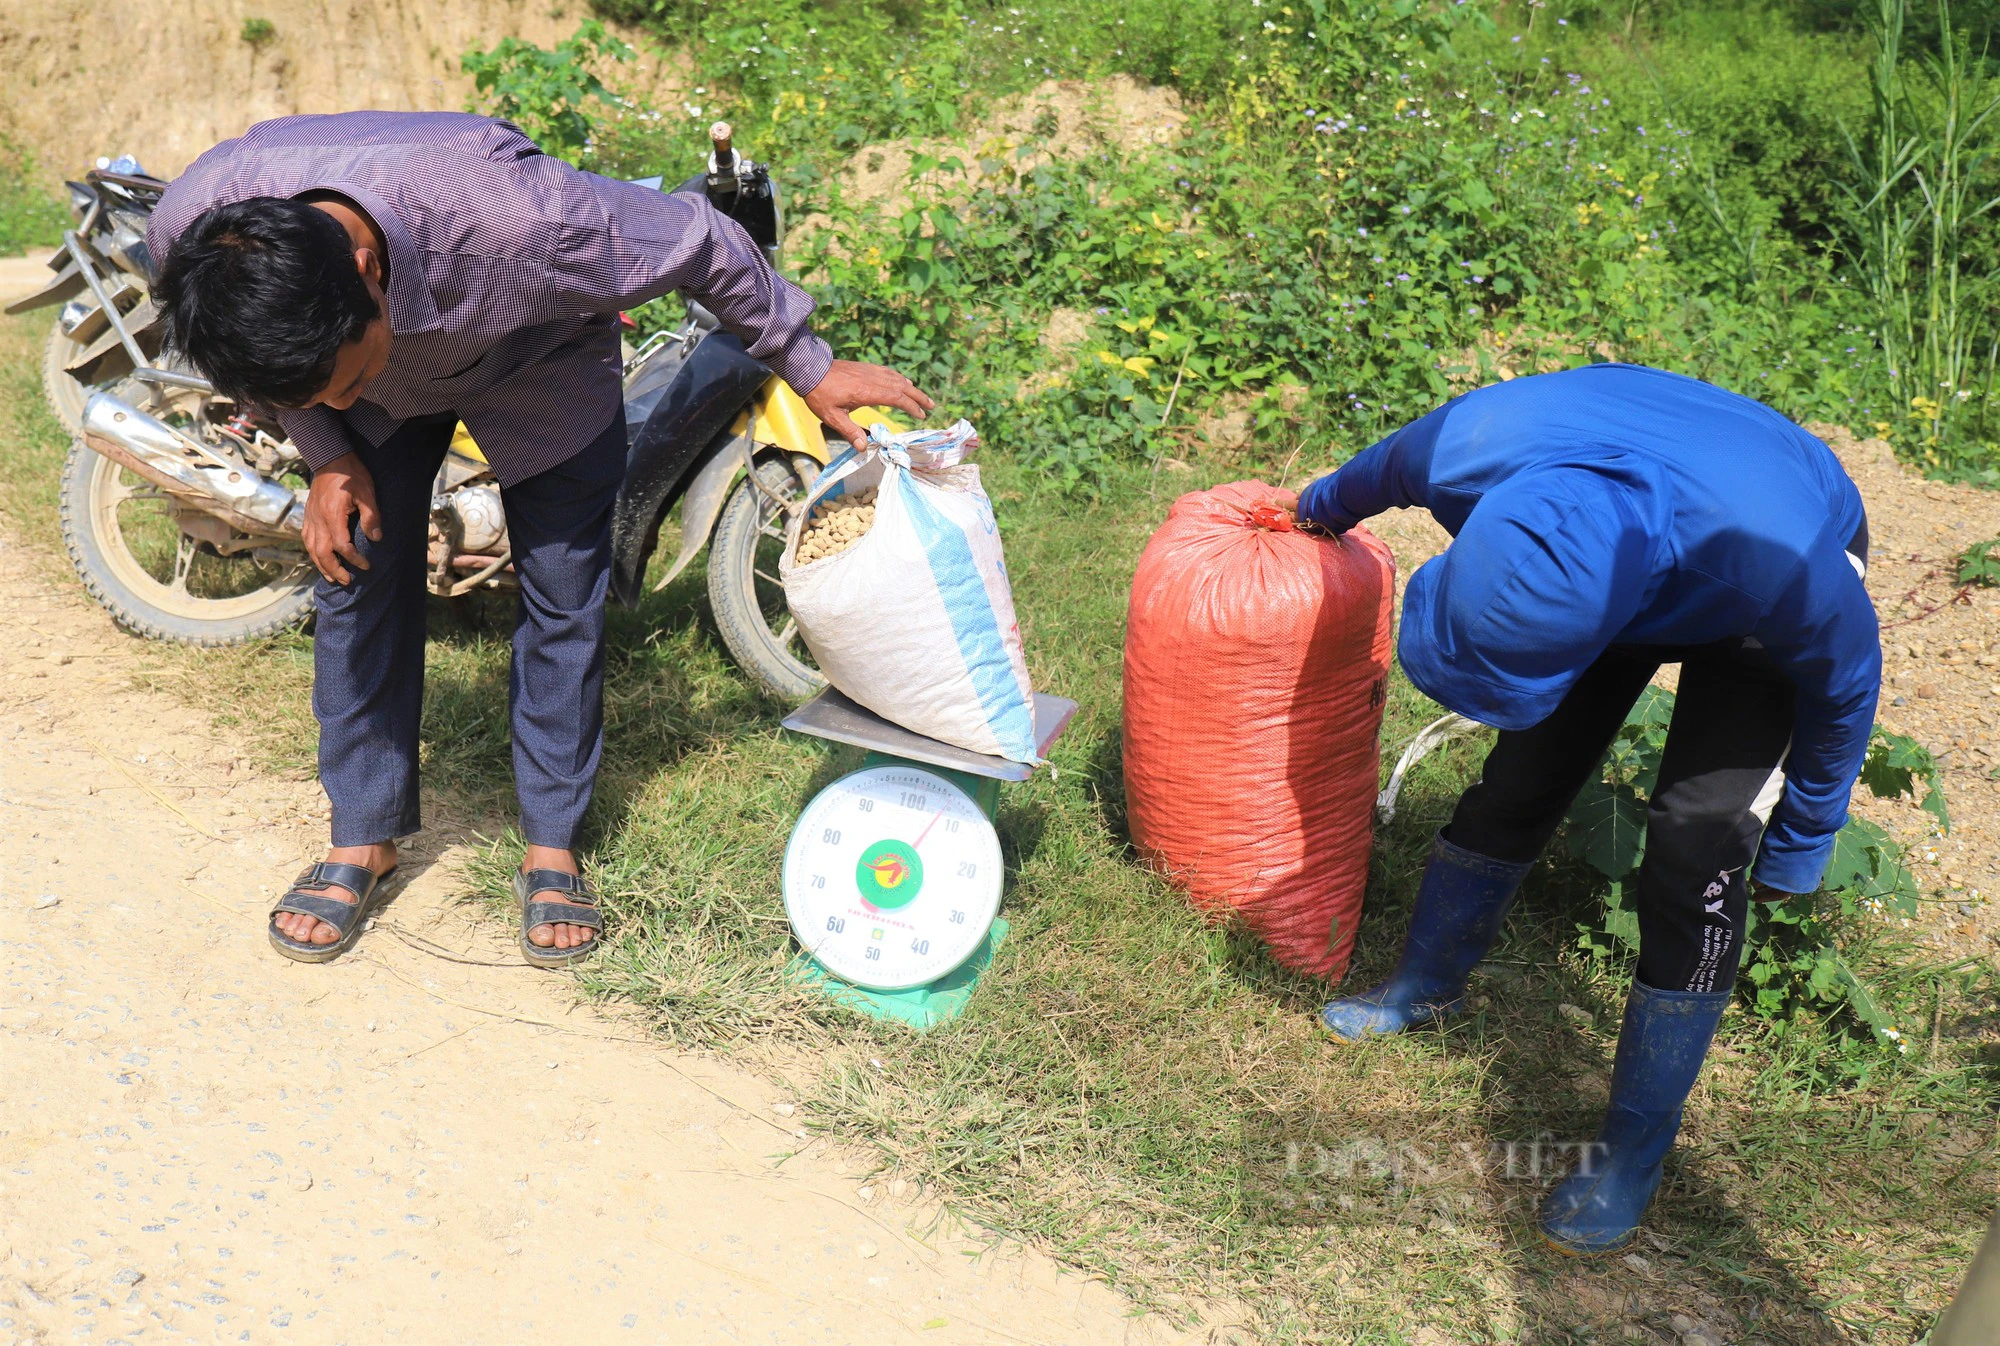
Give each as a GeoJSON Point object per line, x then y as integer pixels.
{"type": "Point", "coordinates": [480, 516]}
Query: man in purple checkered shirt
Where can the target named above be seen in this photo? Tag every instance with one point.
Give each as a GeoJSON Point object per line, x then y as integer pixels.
{"type": "Point", "coordinates": [374, 278]}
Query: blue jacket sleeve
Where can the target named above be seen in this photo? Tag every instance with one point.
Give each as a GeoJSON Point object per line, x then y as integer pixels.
{"type": "Point", "coordinates": [1823, 633]}
{"type": "Point", "coordinates": [1393, 473]}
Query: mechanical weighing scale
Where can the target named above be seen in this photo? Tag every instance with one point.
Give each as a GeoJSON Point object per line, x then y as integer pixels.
{"type": "Point", "coordinates": [893, 873]}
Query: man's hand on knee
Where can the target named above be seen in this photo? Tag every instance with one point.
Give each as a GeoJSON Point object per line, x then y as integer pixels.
{"type": "Point", "coordinates": [340, 490]}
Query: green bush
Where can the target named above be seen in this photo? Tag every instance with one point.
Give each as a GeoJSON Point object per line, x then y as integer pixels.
{"type": "Point", "coordinates": [553, 95]}
{"type": "Point", "coordinates": [1359, 212]}
{"type": "Point", "coordinates": [1793, 944]}
{"type": "Point", "coordinates": [1375, 205]}
{"type": "Point", "coordinates": [29, 217]}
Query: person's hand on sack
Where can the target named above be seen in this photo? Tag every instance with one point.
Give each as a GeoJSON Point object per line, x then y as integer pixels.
{"type": "Point", "coordinates": [1319, 504]}
{"type": "Point", "coordinates": [852, 384]}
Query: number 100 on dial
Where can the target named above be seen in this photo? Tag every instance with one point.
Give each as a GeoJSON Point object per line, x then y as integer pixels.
{"type": "Point", "coordinates": [892, 877]}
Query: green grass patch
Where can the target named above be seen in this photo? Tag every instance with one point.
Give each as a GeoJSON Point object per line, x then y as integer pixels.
{"type": "Point", "coordinates": [29, 217]}
{"type": "Point", "coordinates": [1094, 1096]}
{"type": "Point", "coordinates": [32, 442]}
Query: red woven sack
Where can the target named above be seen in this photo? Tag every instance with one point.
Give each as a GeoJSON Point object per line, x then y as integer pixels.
{"type": "Point", "coordinates": [1256, 659]}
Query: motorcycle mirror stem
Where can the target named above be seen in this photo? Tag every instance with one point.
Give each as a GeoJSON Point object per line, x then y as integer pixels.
{"type": "Point", "coordinates": [724, 164]}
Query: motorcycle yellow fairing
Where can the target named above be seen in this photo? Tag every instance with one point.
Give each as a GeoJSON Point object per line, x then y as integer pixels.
{"type": "Point", "coordinates": [781, 419]}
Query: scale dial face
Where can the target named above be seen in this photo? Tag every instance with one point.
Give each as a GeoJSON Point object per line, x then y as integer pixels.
{"type": "Point", "coordinates": [892, 877]}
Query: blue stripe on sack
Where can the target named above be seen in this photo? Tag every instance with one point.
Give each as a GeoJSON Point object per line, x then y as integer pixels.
{"type": "Point", "coordinates": [839, 460]}
{"type": "Point", "coordinates": [970, 609]}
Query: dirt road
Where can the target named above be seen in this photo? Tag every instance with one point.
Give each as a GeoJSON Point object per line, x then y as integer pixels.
{"type": "Point", "coordinates": [422, 1143]}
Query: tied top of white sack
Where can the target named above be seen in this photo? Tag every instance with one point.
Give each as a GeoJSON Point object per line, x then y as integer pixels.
{"type": "Point", "coordinates": [925, 450]}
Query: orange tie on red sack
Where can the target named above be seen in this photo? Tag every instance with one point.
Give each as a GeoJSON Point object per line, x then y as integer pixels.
{"type": "Point", "coordinates": [1256, 659]}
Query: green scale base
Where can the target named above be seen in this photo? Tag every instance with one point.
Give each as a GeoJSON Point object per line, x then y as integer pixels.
{"type": "Point", "coordinates": [939, 1002]}
{"type": "Point", "coordinates": [920, 1006]}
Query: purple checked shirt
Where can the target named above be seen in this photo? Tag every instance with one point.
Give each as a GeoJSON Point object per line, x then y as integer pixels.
{"type": "Point", "coordinates": [507, 270]}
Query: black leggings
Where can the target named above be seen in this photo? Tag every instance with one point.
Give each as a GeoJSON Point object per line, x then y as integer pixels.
{"type": "Point", "coordinates": [1719, 777]}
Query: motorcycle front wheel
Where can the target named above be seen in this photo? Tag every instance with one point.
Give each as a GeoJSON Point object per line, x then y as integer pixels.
{"type": "Point", "coordinates": [158, 582]}
{"type": "Point", "coordinates": [66, 395]}
{"type": "Point", "coordinates": [743, 585]}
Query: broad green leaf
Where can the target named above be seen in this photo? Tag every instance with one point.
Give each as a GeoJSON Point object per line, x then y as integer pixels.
{"type": "Point", "coordinates": [1861, 1000]}
{"type": "Point", "coordinates": [1608, 828]}
{"type": "Point", "coordinates": [1896, 884]}
{"type": "Point", "coordinates": [1977, 564]}
{"type": "Point", "coordinates": [1623, 925]}
{"type": "Point", "coordinates": [1857, 851]}
{"type": "Point", "coordinates": [1895, 763]}
{"type": "Point", "coordinates": [1653, 710]}
{"type": "Point", "coordinates": [1933, 804]}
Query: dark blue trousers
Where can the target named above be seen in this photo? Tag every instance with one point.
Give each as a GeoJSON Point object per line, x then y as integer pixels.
{"type": "Point", "coordinates": [368, 645]}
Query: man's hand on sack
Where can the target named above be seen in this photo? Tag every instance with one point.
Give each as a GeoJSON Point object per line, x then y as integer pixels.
{"type": "Point", "coordinates": [1319, 503]}
{"type": "Point", "coordinates": [851, 384]}
{"type": "Point", "coordinates": [340, 490]}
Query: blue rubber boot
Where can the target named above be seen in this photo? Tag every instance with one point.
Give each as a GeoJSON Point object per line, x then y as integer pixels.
{"type": "Point", "coordinates": [1463, 900]}
{"type": "Point", "coordinates": [1596, 1209]}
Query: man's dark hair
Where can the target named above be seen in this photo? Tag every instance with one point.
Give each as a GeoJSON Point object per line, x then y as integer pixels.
{"type": "Point", "coordinates": [260, 295]}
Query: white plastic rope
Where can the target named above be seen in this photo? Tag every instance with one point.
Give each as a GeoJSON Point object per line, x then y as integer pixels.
{"type": "Point", "coordinates": [925, 449]}
{"type": "Point", "coordinates": [1434, 735]}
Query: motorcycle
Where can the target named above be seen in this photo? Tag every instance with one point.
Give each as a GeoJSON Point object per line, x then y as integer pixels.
{"type": "Point", "coordinates": [182, 511]}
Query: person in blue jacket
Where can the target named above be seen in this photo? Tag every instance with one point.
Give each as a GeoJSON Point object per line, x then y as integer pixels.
{"type": "Point", "coordinates": [1605, 521]}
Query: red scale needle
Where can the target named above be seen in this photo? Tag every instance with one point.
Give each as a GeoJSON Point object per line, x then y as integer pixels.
{"type": "Point", "coordinates": [927, 829]}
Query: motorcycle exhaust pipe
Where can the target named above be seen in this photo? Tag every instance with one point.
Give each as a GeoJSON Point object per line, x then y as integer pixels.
{"type": "Point", "coordinates": [187, 470]}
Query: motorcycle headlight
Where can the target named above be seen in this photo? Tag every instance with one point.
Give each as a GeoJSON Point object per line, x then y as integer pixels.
{"type": "Point", "coordinates": [74, 314]}
{"type": "Point", "coordinates": [80, 199]}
